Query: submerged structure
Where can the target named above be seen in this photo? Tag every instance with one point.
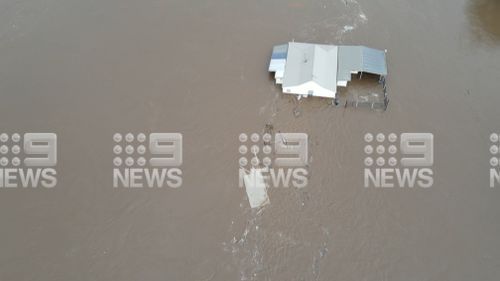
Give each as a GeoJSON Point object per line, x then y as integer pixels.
{"type": "Point", "coordinates": [305, 69]}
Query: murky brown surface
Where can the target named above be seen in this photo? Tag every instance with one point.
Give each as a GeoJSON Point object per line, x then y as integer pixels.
{"type": "Point", "coordinates": [88, 69]}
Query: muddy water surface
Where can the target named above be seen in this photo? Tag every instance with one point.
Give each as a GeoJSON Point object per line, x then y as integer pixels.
{"type": "Point", "coordinates": [88, 69]}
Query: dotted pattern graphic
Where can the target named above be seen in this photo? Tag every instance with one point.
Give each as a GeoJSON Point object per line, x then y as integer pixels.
{"type": "Point", "coordinates": [10, 150]}
{"type": "Point", "coordinates": [494, 150]}
{"type": "Point", "coordinates": [129, 150]}
{"type": "Point", "coordinates": [381, 150]}
{"type": "Point", "coordinates": [255, 150]}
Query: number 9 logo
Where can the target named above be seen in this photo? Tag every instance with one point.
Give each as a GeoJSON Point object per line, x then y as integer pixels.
{"type": "Point", "coordinates": [43, 145]}
{"type": "Point", "coordinates": [417, 144]}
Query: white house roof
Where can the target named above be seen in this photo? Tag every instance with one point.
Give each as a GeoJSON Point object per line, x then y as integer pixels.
{"type": "Point", "coordinates": [299, 66]}
{"type": "Point", "coordinates": [308, 62]}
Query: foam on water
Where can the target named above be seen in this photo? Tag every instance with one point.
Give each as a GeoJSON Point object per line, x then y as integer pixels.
{"type": "Point", "coordinates": [332, 20]}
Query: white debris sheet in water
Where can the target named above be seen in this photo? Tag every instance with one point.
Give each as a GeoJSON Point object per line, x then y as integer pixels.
{"type": "Point", "coordinates": [255, 186]}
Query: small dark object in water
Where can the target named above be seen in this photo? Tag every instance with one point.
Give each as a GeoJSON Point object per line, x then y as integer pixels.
{"type": "Point", "coordinates": [296, 112]}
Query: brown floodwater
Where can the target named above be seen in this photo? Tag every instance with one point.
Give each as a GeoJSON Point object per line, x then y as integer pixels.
{"type": "Point", "coordinates": [88, 69]}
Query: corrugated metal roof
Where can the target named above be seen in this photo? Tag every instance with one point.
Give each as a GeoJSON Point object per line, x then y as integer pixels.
{"type": "Point", "coordinates": [280, 51]}
{"type": "Point", "coordinates": [310, 62]}
{"type": "Point", "coordinates": [353, 59]}
{"type": "Point", "coordinates": [350, 60]}
{"type": "Point", "coordinates": [278, 58]}
{"type": "Point", "coordinates": [374, 61]}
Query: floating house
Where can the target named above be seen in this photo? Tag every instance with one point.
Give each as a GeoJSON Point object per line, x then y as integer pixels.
{"type": "Point", "coordinates": [317, 70]}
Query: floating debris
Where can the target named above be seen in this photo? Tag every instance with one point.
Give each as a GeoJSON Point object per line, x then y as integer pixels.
{"type": "Point", "coordinates": [256, 188]}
